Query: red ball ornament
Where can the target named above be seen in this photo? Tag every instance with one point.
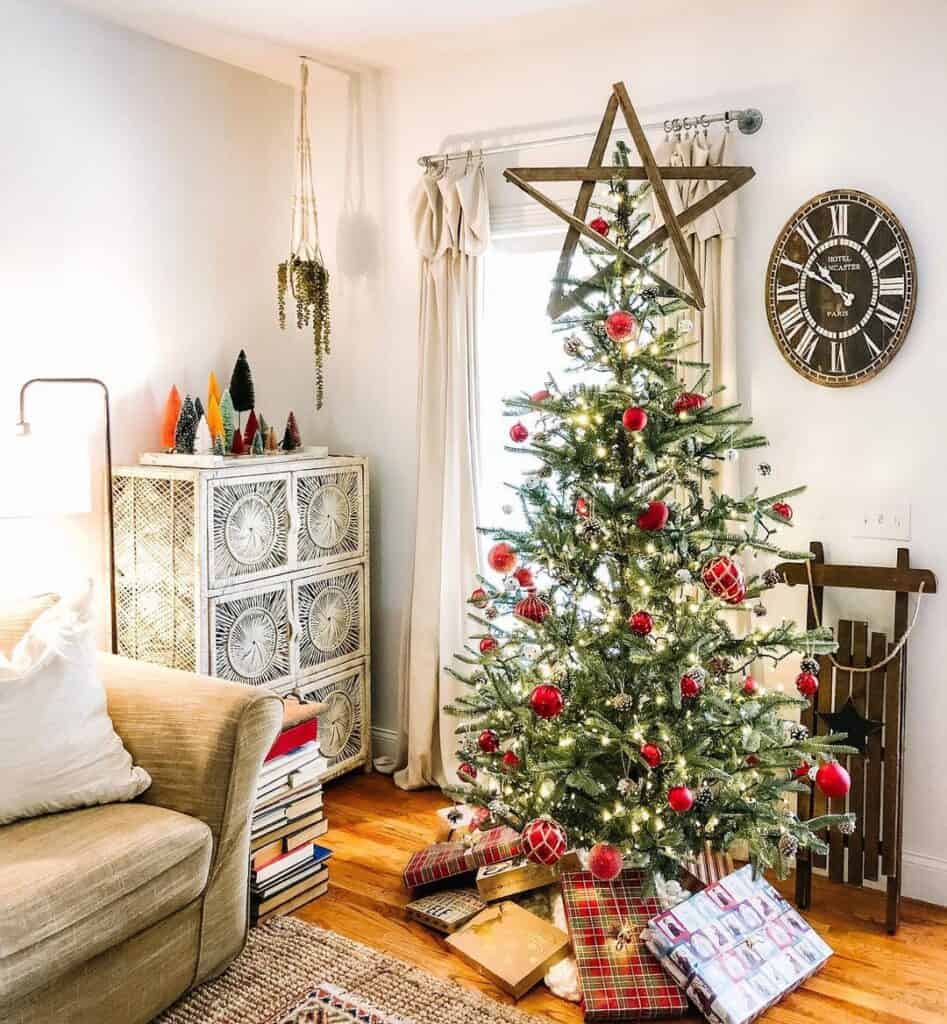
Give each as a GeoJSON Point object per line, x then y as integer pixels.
{"type": "Point", "coordinates": [690, 687]}
{"type": "Point", "coordinates": [621, 326]}
{"type": "Point", "coordinates": [543, 841]}
{"type": "Point", "coordinates": [467, 771]}
{"type": "Point", "coordinates": [750, 686]}
{"type": "Point", "coordinates": [801, 771]}
{"type": "Point", "coordinates": [752, 760]}
{"type": "Point", "coordinates": [488, 741]}
{"type": "Point", "coordinates": [833, 780]}
{"type": "Point", "coordinates": [518, 433]}
{"type": "Point", "coordinates": [652, 754]}
{"type": "Point", "coordinates": [654, 517]}
{"type": "Point", "coordinates": [510, 761]}
{"type": "Point", "coordinates": [680, 799]}
{"type": "Point", "coordinates": [600, 225]}
{"type": "Point", "coordinates": [605, 861]}
{"type": "Point", "coordinates": [479, 598]}
{"type": "Point", "coordinates": [807, 684]}
{"type": "Point", "coordinates": [688, 400]}
{"type": "Point", "coordinates": [582, 509]}
{"type": "Point", "coordinates": [502, 558]}
{"type": "Point", "coordinates": [533, 608]}
{"type": "Point", "coordinates": [546, 700]}
{"type": "Point", "coordinates": [641, 623]}
{"type": "Point", "coordinates": [634, 418]}
{"type": "Point", "coordinates": [783, 510]}
{"type": "Point", "coordinates": [723, 577]}
{"type": "Point", "coordinates": [524, 577]}
{"type": "Point", "coordinates": [540, 396]}
{"type": "Point", "coordinates": [488, 644]}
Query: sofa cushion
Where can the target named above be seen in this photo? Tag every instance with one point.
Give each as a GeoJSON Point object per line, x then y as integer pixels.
{"type": "Point", "coordinates": [17, 615]}
{"type": "Point", "coordinates": [77, 883]}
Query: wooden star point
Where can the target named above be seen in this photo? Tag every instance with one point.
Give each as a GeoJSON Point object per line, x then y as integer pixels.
{"type": "Point", "coordinates": [731, 179]}
{"type": "Point", "coordinates": [849, 720]}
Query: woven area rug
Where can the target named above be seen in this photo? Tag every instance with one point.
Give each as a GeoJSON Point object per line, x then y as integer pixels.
{"type": "Point", "coordinates": [286, 959]}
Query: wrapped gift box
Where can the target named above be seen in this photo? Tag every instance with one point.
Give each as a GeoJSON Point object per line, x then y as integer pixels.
{"type": "Point", "coordinates": [707, 867]}
{"type": "Point", "coordinates": [511, 946]}
{"type": "Point", "coordinates": [620, 979]}
{"type": "Point", "coordinates": [438, 862]}
{"type": "Point", "coordinates": [447, 911]}
{"type": "Point", "coordinates": [736, 948]}
{"type": "Point", "coordinates": [496, 846]}
{"type": "Point", "coordinates": [498, 881]}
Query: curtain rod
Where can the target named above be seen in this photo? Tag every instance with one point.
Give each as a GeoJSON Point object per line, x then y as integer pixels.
{"type": "Point", "coordinates": [749, 121]}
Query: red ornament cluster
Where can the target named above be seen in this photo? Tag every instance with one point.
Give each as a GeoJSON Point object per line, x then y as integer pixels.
{"type": "Point", "coordinates": [690, 686]}
{"type": "Point", "coordinates": [543, 841]}
{"type": "Point", "coordinates": [654, 517]}
{"type": "Point", "coordinates": [833, 780]}
{"type": "Point", "coordinates": [605, 862]}
{"type": "Point", "coordinates": [634, 418]}
{"type": "Point", "coordinates": [532, 608]}
{"type": "Point", "coordinates": [524, 577]}
{"type": "Point", "coordinates": [750, 686]}
{"type": "Point", "coordinates": [783, 510]}
{"type": "Point", "coordinates": [547, 701]}
{"type": "Point", "coordinates": [488, 644]}
{"type": "Point", "coordinates": [467, 771]}
{"type": "Point", "coordinates": [688, 400]}
{"type": "Point", "coordinates": [488, 741]}
{"type": "Point", "coordinates": [502, 558]}
{"type": "Point", "coordinates": [621, 326]}
{"type": "Point", "coordinates": [807, 684]}
{"type": "Point", "coordinates": [680, 799]}
{"type": "Point", "coordinates": [723, 577]}
{"type": "Point", "coordinates": [641, 622]}
{"type": "Point", "coordinates": [652, 754]}
{"type": "Point", "coordinates": [518, 433]}
{"type": "Point", "coordinates": [601, 225]}
{"type": "Point", "coordinates": [510, 761]}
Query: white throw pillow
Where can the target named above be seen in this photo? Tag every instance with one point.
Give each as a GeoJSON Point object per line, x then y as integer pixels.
{"type": "Point", "coordinates": [58, 749]}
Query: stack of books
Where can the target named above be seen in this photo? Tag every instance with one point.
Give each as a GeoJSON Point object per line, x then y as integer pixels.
{"type": "Point", "coordinates": [287, 867]}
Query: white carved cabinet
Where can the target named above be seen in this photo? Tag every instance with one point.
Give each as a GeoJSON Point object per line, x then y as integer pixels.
{"type": "Point", "coordinates": [256, 571]}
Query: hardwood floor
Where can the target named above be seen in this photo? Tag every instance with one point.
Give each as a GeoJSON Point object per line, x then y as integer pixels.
{"type": "Point", "coordinates": [374, 828]}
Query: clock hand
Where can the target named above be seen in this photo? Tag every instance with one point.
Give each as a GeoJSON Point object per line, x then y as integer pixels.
{"type": "Point", "coordinates": [826, 277]}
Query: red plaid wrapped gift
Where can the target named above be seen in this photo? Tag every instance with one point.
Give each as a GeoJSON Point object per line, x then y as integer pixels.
{"type": "Point", "coordinates": [438, 862]}
{"type": "Point", "coordinates": [496, 846]}
{"type": "Point", "coordinates": [619, 978]}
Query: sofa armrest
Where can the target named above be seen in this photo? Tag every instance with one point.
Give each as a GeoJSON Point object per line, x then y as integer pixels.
{"type": "Point", "coordinates": [203, 742]}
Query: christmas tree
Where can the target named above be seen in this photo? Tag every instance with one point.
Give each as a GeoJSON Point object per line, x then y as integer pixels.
{"type": "Point", "coordinates": [169, 419]}
{"type": "Point", "coordinates": [228, 418]}
{"type": "Point", "coordinates": [186, 428]}
{"type": "Point", "coordinates": [610, 701]}
{"type": "Point", "coordinates": [242, 392]}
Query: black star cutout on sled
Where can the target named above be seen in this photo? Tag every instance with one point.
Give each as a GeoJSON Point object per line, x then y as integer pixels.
{"type": "Point", "coordinates": [851, 721]}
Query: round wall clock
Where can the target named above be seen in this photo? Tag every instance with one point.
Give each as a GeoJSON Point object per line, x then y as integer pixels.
{"type": "Point", "coordinates": [841, 288]}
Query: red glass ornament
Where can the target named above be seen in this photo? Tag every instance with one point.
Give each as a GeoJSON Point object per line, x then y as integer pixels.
{"type": "Point", "coordinates": [479, 598]}
{"type": "Point", "coordinates": [540, 396]}
{"type": "Point", "coordinates": [467, 771]}
{"type": "Point", "coordinates": [543, 841]}
{"type": "Point", "coordinates": [783, 510]}
{"type": "Point", "coordinates": [488, 741]}
{"type": "Point", "coordinates": [502, 558]}
{"type": "Point", "coordinates": [605, 862]}
{"type": "Point", "coordinates": [634, 418]}
{"type": "Point", "coordinates": [641, 623]}
{"type": "Point", "coordinates": [546, 700]}
{"type": "Point", "coordinates": [654, 517]}
{"type": "Point", "coordinates": [524, 577]}
{"type": "Point", "coordinates": [801, 771]}
{"type": "Point", "coordinates": [601, 225]}
{"type": "Point", "coordinates": [723, 577]}
{"type": "Point", "coordinates": [518, 433]}
{"type": "Point", "coordinates": [621, 325]}
{"type": "Point", "coordinates": [807, 684]}
{"type": "Point", "coordinates": [510, 761]}
{"type": "Point", "coordinates": [488, 644]}
{"type": "Point", "coordinates": [752, 760]}
{"type": "Point", "coordinates": [582, 509]}
{"type": "Point", "coordinates": [688, 400]}
{"type": "Point", "coordinates": [690, 687]}
{"type": "Point", "coordinates": [651, 752]}
{"type": "Point", "coordinates": [680, 799]}
{"type": "Point", "coordinates": [750, 686]}
{"type": "Point", "coordinates": [533, 608]}
{"type": "Point", "coordinates": [833, 780]}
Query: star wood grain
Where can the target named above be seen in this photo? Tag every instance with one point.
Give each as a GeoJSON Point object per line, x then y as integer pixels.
{"type": "Point", "coordinates": [873, 978]}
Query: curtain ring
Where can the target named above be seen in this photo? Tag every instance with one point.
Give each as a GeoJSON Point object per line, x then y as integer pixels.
{"type": "Point", "coordinates": [667, 129]}
{"type": "Point", "coordinates": [468, 161]}
{"type": "Point", "coordinates": [677, 126]}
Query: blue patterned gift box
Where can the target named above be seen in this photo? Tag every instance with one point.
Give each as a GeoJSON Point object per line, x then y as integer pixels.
{"type": "Point", "coordinates": [736, 948]}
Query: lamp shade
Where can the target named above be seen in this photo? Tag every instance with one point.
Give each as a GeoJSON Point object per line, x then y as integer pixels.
{"type": "Point", "coordinates": [41, 479]}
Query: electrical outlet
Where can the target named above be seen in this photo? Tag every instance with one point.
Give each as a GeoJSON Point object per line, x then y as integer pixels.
{"type": "Point", "coordinates": [884, 522]}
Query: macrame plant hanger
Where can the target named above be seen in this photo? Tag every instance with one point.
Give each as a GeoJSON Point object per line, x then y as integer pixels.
{"type": "Point", "coordinates": [304, 273]}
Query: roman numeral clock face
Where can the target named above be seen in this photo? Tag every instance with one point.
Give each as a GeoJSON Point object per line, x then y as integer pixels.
{"type": "Point", "coordinates": [841, 288]}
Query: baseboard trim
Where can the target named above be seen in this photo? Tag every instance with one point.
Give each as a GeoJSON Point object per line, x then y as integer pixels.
{"type": "Point", "coordinates": [385, 742]}
{"type": "Point", "coordinates": [924, 877]}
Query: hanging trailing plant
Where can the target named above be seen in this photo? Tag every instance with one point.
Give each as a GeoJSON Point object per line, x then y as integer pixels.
{"type": "Point", "coordinates": [303, 274]}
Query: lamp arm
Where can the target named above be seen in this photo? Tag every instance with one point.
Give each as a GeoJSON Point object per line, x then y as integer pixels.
{"type": "Point", "coordinates": [24, 428]}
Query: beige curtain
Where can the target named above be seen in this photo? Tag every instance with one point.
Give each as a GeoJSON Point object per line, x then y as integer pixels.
{"type": "Point", "coordinates": [712, 240]}
{"type": "Point", "coordinates": [452, 225]}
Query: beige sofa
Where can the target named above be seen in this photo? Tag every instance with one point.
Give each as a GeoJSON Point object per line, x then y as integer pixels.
{"type": "Point", "coordinates": [109, 914]}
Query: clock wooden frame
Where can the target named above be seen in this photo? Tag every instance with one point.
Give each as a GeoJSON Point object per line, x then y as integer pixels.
{"type": "Point", "coordinates": [771, 301]}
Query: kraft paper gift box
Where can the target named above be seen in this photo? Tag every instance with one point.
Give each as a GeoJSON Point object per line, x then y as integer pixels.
{"type": "Point", "coordinates": [736, 948]}
{"type": "Point", "coordinates": [620, 979]}
{"type": "Point", "coordinates": [510, 946]}
{"type": "Point", "coordinates": [498, 881]}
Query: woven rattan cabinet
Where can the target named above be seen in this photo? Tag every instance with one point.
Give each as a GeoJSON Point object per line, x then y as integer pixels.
{"type": "Point", "coordinates": [256, 571]}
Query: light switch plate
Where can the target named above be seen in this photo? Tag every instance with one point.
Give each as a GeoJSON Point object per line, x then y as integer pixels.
{"type": "Point", "coordinates": [883, 521]}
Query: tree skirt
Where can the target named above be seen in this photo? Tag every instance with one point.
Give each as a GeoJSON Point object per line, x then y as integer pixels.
{"type": "Point", "coordinates": [286, 960]}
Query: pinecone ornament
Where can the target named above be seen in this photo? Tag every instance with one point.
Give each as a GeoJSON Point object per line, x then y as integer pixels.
{"type": "Point", "coordinates": [847, 826]}
{"type": "Point", "coordinates": [759, 610]}
{"type": "Point", "coordinates": [797, 732]}
{"type": "Point", "coordinates": [589, 529]}
{"type": "Point", "coordinates": [809, 664]}
{"type": "Point", "coordinates": [771, 577]}
{"type": "Point", "coordinates": [573, 346]}
{"type": "Point", "coordinates": [720, 666]}
{"type": "Point", "coordinates": [623, 702]}
{"type": "Point", "coordinates": [627, 786]}
{"type": "Point", "coordinates": [788, 845]}
{"type": "Point", "coordinates": [704, 798]}
{"type": "Point", "coordinates": [764, 469]}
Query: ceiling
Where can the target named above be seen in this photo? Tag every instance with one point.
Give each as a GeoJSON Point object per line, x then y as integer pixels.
{"type": "Point", "coordinates": [267, 37]}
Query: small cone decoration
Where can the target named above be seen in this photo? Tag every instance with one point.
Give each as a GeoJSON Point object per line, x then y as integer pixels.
{"type": "Point", "coordinates": [237, 447]}
{"type": "Point", "coordinates": [241, 385]}
{"type": "Point", "coordinates": [250, 429]}
{"type": "Point", "coordinates": [198, 408]}
{"type": "Point", "coordinates": [169, 421]}
{"type": "Point", "coordinates": [264, 426]}
{"type": "Point", "coordinates": [203, 442]}
{"type": "Point", "coordinates": [213, 390]}
{"type": "Point", "coordinates": [219, 445]}
{"type": "Point", "coordinates": [228, 417]}
{"type": "Point", "coordinates": [214, 422]}
{"type": "Point", "coordinates": [186, 428]}
{"type": "Point", "coordinates": [272, 444]}
{"type": "Point", "coordinates": [291, 438]}
{"type": "Point", "coordinates": [257, 446]}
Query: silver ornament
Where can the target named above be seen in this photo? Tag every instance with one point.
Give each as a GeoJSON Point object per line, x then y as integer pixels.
{"type": "Point", "coordinates": [732, 454]}
{"type": "Point", "coordinates": [683, 576]}
{"type": "Point", "coordinates": [589, 528]}
{"type": "Point", "coordinates": [759, 610]}
{"type": "Point", "coordinates": [511, 584]}
{"type": "Point", "coordinates": [627, 786]}
{"type": "Point", "coordinates": [764, 469]}
{"type": "Point", "coordinates": [506, 509]}
{"type": "Point", "coordinates": [498, 809]}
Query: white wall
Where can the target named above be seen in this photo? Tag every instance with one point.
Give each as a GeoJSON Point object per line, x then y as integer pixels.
{"type": "Point", "coordinates": [144, 204]}
{"type": "Point", "coordinates": [852, 95]}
